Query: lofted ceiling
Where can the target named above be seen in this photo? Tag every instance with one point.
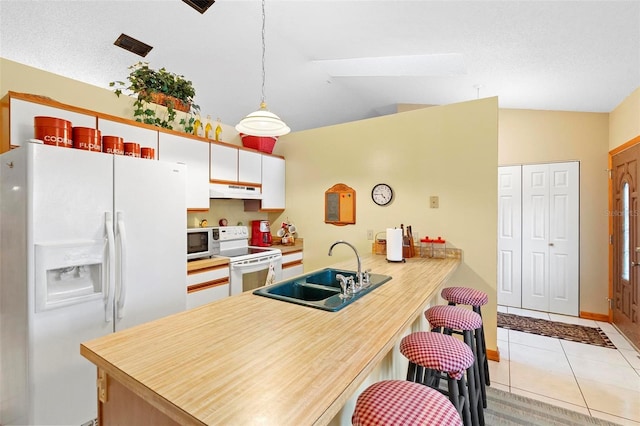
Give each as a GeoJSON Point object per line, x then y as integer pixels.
{"type": "Point", "coordinates": [333, 61]}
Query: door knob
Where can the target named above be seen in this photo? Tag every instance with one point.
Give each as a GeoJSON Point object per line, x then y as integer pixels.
{"type": "Point", "coordinates": [634, 263]}
{"type": "Point", "coordinates": [550, 244]}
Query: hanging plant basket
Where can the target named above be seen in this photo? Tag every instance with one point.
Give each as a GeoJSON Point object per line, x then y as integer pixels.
{"type": "Point", "coordinates": [166, 100]}
{"type": "Point", "coordinates": [159, 87]}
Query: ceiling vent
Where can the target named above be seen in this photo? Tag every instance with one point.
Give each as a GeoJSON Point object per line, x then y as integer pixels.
{"type": "Point", "coordinates": [133, 45]}
{"type": "Point", "coordinates": [200, 5]}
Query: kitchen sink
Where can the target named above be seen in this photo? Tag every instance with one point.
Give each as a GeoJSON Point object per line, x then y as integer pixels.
{"type": "Point", "coordinates": [300, 291]}
{"type": "Point", "coordinates": [320, 290]}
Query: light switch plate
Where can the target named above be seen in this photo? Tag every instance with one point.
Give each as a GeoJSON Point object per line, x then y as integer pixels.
{"type": "Point", "coordinates": [434, 201]}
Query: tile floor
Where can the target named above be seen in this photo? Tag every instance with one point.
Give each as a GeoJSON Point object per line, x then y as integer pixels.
{"type": "Point", "coordinates": [592, 380]}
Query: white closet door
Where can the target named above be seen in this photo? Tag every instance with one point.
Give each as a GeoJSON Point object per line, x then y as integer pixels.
{"type": "Point", "coordinates": [550, 226]}
{"type": "Point", "coordinates": [535, 237]}
{"type": "Point", "coordinates": [564, 200]}
{"type": "Point", "coordinates": [510, 236]}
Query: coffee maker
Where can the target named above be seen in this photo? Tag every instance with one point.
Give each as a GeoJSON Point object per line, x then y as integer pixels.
{"type": "Point", "coordinates": [260, 233]}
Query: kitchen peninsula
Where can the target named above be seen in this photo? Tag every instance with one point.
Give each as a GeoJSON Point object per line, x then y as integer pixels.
{"type": "Point", "coordinates": [253, 360]}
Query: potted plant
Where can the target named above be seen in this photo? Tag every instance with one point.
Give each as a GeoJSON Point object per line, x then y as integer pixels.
{"type": "Point", "coordinates": [159, 87]}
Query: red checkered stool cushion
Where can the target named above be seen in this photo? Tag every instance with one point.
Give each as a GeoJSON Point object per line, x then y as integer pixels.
{"type": "Point", "coordinates": [398, 402]}
{"type": "Point", "coordinates": [465, 296]}
{"type": "Point", "coordinates": [438, 352]}
{"type": "Point", "coordinates": [453, 317]}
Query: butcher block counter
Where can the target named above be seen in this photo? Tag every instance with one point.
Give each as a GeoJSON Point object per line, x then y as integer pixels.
{"type": "Point", "coordinates": [249, 359]}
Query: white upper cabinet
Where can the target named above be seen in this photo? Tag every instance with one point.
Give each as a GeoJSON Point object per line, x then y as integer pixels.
{"type": "Point", "coordinates": [147, 138]}
{"type": "Point", "coordinates": [22, 113]}
{"type": "Point", "coordinates": [224, 163]}
{"type": "Point", "coordinates": [249, 167]}
{"type": "Point", "coordinates": [273, 183]}
{"type": "Point", "coordinates": [195, 154]}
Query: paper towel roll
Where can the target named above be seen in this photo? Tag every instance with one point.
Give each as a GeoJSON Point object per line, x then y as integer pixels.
{"type": "Point", "coordinates": [394, 244]}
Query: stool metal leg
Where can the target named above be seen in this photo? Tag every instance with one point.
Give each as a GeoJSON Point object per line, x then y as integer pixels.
{"type": "Point", "coordinates": [474, 383]}
{"type": "Point", "coordinates": [482, 344]}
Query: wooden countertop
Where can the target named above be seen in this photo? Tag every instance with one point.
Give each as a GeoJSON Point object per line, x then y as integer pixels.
{"type": "Point", "coordinates": [248, 359]}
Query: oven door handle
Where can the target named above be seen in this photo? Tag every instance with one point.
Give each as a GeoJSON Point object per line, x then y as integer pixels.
{"type": "Point", "coordinates": [260, 262]}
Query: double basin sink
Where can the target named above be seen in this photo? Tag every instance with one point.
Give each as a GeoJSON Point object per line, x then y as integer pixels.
{"type": "Point", "coordinates": [320, 289]}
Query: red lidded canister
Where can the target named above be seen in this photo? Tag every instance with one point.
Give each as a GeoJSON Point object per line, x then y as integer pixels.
{"type": "Point", "coordinates": [87, 138]}
{"type": "Point", "coordinates": [53, 131]}
{"type": "Point", "coordinates": [113, 145]}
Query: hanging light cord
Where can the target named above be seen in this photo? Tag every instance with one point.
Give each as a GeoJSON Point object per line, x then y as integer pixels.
{"type": "Point", "coordinates": [263, 104]}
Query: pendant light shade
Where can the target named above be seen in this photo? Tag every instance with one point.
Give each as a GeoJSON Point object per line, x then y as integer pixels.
{"type": "Point", "coordinates": [262, 122]}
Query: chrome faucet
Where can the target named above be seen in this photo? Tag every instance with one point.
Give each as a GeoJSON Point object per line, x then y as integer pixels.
{"type": "Point", "coordinates": [358, 285]}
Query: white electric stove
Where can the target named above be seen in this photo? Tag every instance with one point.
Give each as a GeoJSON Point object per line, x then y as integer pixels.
{"type": "Point", "coordinates": [248, 265]}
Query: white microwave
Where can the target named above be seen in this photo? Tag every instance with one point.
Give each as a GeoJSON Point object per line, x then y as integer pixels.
{"type": "Point", "coordinates": [202, 242]}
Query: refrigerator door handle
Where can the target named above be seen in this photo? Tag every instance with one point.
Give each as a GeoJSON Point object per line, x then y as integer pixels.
{"type": "Point", "coordinates": [122, 288]}
{"type": "Point", "coordinates": [109, 283]}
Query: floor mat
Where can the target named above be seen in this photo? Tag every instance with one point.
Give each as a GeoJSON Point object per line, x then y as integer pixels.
{"type": "Point", "coordinates": [558, 330]}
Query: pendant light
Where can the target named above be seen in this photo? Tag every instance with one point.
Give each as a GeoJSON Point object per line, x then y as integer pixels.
{"type": "Point", "coordinates": [262, 122]}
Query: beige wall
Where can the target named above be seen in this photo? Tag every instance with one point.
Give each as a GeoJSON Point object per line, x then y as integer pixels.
{"type": "Point", "coordinates": [17, 77]}
{"type": "Point", "coordinates": [449, 151]}
{"type": "Point", "coordinates": [528, 136]}
{"type": "Point", "coordinates": [624, 121]}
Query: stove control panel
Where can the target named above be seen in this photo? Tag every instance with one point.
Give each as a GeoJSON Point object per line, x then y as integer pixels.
{"type": "Point", "coordinates": [230, 233]}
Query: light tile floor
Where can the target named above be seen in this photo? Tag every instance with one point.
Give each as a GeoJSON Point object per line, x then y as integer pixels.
{"type": "Point", "coordinates": [597, 381]}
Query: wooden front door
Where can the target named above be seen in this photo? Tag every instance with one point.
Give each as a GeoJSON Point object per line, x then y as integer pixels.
{"type": "Point", "coordinates": [626, 243]}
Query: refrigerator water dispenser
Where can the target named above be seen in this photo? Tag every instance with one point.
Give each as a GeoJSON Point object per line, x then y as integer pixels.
{"type": "Point", "coordinates": [68, 273]}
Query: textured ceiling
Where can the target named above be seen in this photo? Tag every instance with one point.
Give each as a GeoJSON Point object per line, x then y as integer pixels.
{"type": "Point", "coordinates": [558, 55]}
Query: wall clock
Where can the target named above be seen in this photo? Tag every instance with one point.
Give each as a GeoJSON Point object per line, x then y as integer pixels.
{"type": "Point", "coordinates": [382, 194]}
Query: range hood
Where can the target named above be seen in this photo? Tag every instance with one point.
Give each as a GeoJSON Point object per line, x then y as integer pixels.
{"type": "Point", "coordinates": [241, 192]}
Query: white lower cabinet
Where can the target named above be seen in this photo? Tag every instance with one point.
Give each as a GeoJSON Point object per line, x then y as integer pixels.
{"type": "Point", "coordinates": [207, 285]}
{"type": "Point", "coordinates": [292, 264]}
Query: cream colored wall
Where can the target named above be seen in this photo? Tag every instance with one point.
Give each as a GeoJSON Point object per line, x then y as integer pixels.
{"type": "Point", "coordinates": [232, 210]}
{"type": "Point", "coordinates": [21, 78]}
{"type": "Point", "coordinates": [528, 136]}
{"type": "Point", "coordinates": [449, 151]}
{"type": "Point", "coordinates": [624, 120]}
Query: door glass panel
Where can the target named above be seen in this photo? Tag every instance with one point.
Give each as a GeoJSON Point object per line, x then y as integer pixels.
{"type": "Point", "coordinates": [625, 231]}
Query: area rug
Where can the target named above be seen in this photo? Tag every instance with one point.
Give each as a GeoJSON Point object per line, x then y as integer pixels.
{"type": "Point", "coordinates": [504, 408]}
{"type": "Point", "coordinates": [558, 330]}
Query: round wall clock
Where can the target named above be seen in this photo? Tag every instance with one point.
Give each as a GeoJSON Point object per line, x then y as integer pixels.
{"type": "Point", "coordinates": [382, 194]}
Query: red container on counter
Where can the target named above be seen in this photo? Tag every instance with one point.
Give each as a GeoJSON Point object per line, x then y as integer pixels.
{"type": "Point", "coordinates": [53, 131]}
{"type": "Point", "coordinates": [132, 149]}
{"type": "Point", "coordinates": [87, 138]}
{"type": "Point", "coordinates": [113, 145]}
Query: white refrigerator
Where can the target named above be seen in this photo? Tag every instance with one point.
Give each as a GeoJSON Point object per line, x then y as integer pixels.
{"type": "Point", "coordinates": [90, 243]}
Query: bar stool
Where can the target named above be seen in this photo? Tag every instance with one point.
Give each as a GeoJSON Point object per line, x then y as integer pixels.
{"type": "Point", "coordinates": [432, 354]}
{"type": "Point", "coordinates": [398, 402]}
{"type": "Point", "coordinates": [475, 298]}
{"type": "Point", "coordinates": [454, 319]}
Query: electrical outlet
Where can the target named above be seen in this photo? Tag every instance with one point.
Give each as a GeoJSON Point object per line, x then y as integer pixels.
{"type": "Point", "coordinates": [369, 234]}
{"type": "Point", "coordinates": [434, 201]}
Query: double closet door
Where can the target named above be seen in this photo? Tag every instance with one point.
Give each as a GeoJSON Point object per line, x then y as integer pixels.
{"type": "Point", "coordinates": [538, 237]}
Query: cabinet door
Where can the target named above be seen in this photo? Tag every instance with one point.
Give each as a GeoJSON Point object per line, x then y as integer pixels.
{"type": "Point", "coordinates": [147, 138]}
{"type": "Point", "coordinates": [292, 265]}
{"type": "Point", "coordinates": [22, 113]}
{"type": "Point", "coordinates": [207, 286]}
{"type": "Point", "coordinates": [273, 181]}
{"type": "Point", "coordinates": [249, 167]}
{"type": "Point", "coordinates": [224, 163]}
{"type": "Point", "coordinates": [195, 154]}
